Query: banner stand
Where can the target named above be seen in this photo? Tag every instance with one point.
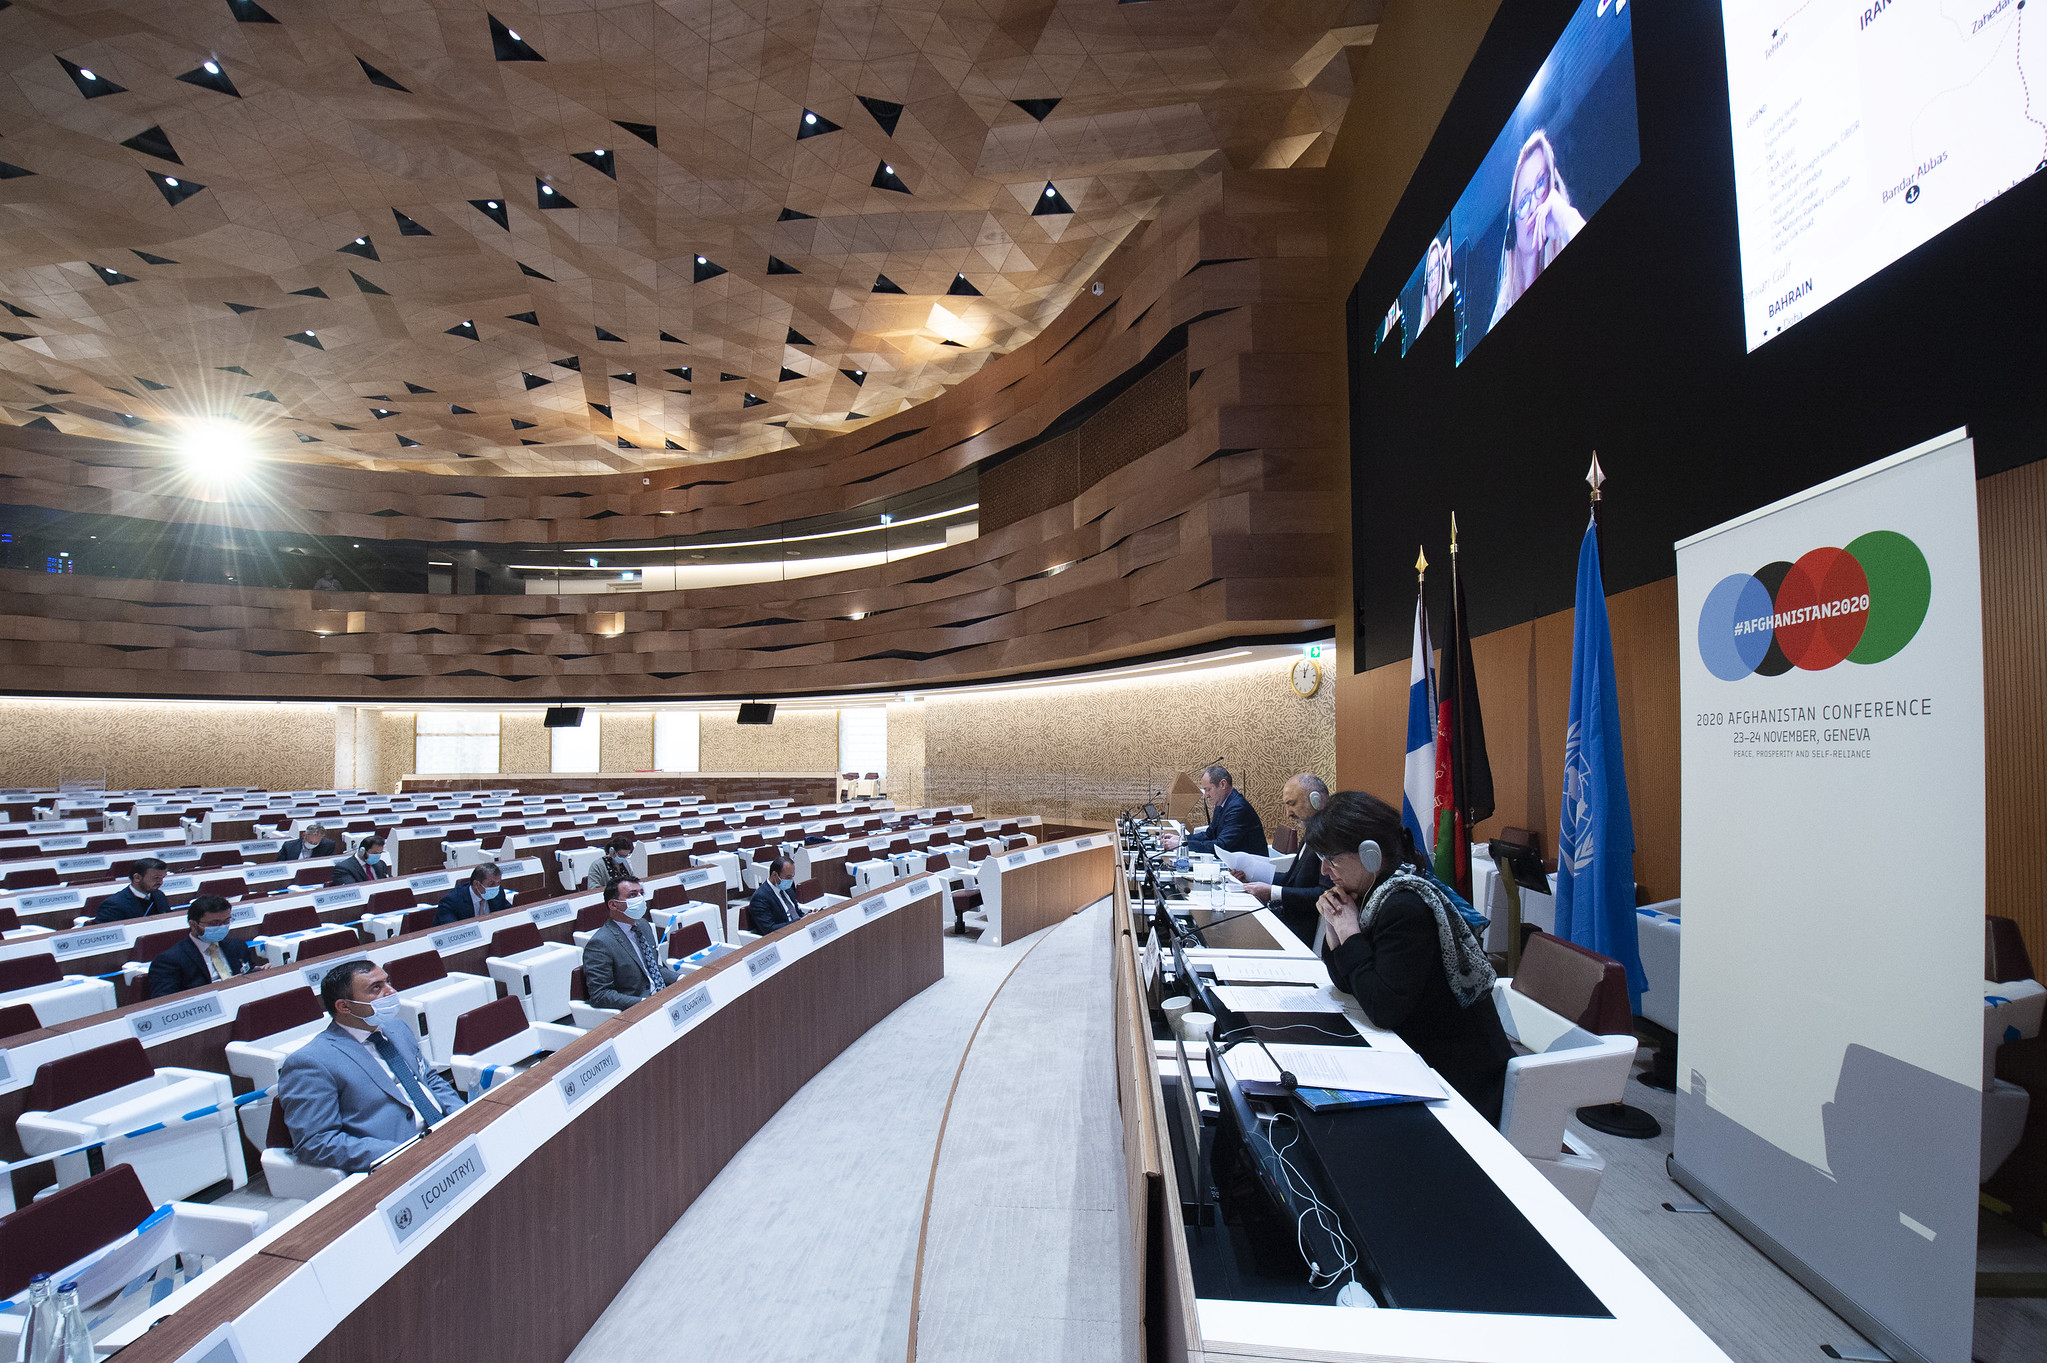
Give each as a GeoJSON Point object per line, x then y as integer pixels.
{"type": "Point", "coordinates": [1807, 1277]}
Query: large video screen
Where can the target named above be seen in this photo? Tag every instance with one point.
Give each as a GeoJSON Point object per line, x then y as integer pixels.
{"type": "Point", "coordinates": [1569, 143]}
{"type": "Point", "coordinates": [1862, 129]}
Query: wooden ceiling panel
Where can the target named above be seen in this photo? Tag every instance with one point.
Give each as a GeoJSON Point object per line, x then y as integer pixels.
{"type": "Point", "coordinates": [149, 313]}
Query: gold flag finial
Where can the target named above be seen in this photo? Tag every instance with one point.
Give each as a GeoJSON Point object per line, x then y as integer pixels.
{"type": "Point", "coordinates": [1421, 560]}
{"type": "Point", "coordinates": [1595, 475]}
{"type": "Point", "coordinates": [1453, 534]}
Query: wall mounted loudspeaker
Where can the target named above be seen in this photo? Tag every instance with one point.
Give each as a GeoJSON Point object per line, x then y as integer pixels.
{"type": "Point", "coordinates": [563, 717]}
{"type": "Point", "coordinates": [756, 712]}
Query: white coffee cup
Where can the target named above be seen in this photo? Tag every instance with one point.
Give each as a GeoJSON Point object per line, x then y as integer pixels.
{"type": "Point", "coordinates": [1176, 1008]}
{"type": "Point", "coordinates": [1196, 1026]}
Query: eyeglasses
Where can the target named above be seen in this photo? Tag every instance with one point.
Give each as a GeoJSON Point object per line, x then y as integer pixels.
{"type": "Point", "coordinates": [1525, 206]}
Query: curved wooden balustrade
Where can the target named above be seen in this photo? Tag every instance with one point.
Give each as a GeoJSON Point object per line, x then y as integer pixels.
{"type": "Point", "coordinates": [1230, 529]}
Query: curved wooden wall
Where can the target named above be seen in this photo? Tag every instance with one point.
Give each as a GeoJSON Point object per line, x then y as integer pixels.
{"type": "Point", "coordinates": [1227, 530]}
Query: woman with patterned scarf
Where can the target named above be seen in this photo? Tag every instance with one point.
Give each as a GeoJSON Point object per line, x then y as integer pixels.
{"type": "Point", "coordinates": [1395, 943]}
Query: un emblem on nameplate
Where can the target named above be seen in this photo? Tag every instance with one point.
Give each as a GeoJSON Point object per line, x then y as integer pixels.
{"type": "Point", "coordinates": [404, 1218]}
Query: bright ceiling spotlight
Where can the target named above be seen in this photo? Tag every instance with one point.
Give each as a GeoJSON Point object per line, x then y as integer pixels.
{"type": "Point", "coordinates": [217, 448]}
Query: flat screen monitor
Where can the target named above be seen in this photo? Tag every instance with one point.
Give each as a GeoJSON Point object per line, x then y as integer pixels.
{"type": "Point", "coordinates": [757, 712]}
{"type": "Point", "coordinates": [563, 717]}
{"type": "Point", "coordinates": [1863, 130]}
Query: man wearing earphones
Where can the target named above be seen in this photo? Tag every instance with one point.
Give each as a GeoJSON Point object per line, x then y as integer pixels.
{"type": "Point", "coordinates": [1395, 943]}
{"type": "Point", "coordinates": [1294, 894]}
{"type": "Point", "coordinates": [360, 1089]}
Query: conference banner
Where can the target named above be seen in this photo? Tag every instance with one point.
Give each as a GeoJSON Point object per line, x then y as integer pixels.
{"type": "Point", "coordinates": [1831, 1042]}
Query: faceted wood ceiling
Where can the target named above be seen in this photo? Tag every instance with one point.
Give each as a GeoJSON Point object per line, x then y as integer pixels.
{"type": "Point", "coordinates": [432, 236]}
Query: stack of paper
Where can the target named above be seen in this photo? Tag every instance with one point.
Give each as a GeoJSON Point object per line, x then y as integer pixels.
{"type": "Point", "coordinates": [1269, 969]}
{"type": "Point", "coordinates": [1356, 1069]}
{"type": "Point", "coordinates": [1277, 998]}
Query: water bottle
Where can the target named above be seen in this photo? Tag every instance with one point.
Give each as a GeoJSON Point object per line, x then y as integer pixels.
{"type": "Point", "coordinates": [42, 1342]}
{"type": "Point", "coordinates": [71, 1320]}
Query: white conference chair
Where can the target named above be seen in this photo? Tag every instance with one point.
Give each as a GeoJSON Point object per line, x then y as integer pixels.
{"type": "Point", "coordinates": [102, 1093]}
{"type": "Point", "coordinates": [1570, 1068]}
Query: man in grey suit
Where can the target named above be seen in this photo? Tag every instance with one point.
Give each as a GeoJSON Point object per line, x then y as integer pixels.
{"type": "Point", "coordinates": [361, 1088]}
{"type": "Point", "coordinates": [621, 962]}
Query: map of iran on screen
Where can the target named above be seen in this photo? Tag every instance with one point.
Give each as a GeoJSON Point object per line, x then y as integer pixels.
{"type": "Point", "coordinates": [1863, 128]}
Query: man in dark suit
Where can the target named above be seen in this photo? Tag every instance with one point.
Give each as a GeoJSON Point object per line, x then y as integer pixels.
{"type": "Point", "coordinates": [1293, 896]}
{"type": "Point", "coordinates": [143, 895]}
{"type": "Point", "coordinates": [366, 865]}
{"type": "Point", "coordinates": [361, 1088]}
{"type": "Point", "coordinates": [480, 894]}
{"type": "Point", "coordinates": [1233, 826]}
{"type": "Point", "coordinates": [774, 903]}
{"type": "Point", "coordinates": [203, 955]}
{"type": "Point", "coordinates": [312, 841]}
{"type": "Point", "coordinates": [621, 962]}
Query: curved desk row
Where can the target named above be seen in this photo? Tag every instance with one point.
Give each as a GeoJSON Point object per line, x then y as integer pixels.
{"type": "Point", "coordinates": [504, 1233]}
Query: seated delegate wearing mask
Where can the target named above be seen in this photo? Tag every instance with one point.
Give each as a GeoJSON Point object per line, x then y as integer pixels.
{"type": "Point", "coordinates": [615, 864]}
{"type": "Point", "coordinates": [312, 841]}
{"type": "Point", "coordinates": [479, 895]}
{"type": "Point", "coordinates": [622, 962]}
{"type": "Point", "coordinates": [774, 903]}
{"type": "Point", "coordinates": [1395, 943]}
{"type": "Point", "coordinates": [367, 864]}
{"type": "Point", "coordinates": [202, 956]}
{"type": "Point", "coordinates": [360, 1089]}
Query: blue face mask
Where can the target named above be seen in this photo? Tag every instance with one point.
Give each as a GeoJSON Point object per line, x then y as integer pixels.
{"type": "Point", "coordinates": [215, 935]}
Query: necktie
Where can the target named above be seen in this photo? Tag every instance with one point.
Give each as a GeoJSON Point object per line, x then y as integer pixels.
{"type": "Point", "coordinates": [216, 962]}
{"type": "Point", "coordinates": [429, 1111]}
{"type": "Point", "coordinates": [649, 962]}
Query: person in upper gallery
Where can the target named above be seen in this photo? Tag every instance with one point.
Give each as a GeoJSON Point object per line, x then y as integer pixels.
{"type": "Point", "coordinates": [1540, 221]}
{"type": "Point", "coordinates": [361, 1088]}
{"type": "Point", "coordinates": [312, 841]}
{"type": "Point", "coordinates": [1232, 824]}
{"type": "Point", "coordinates": [622, 962]}
{"type": "Point", "coordinates": [1294, 894]}
{"type": "Point", "coordinates": [479, 894]}
{"type": "Point", "coordinates": [203, 955]}
{"type": "Point", "coordinates": [367, 864]}
{"type": "Point", "coordinates": [613, 865]}
{"type": "Point", "coordinates": [1395, 943]}
{"type": "Point", "coordinates": [142, 896]}
{"type": "Point", "coordinates": [774, 903]}
{"type": "Point", "coordinates": [327, 582]}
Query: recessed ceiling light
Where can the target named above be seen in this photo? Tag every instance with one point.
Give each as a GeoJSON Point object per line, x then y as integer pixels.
{"type": "Point", "coordinates": [547, 189]}
{"type": "Point", "coordinates": [702, 261]}
{"type": "Point", "coordinates": [512, 35]}
{"type": "Point", "coordinates": [807, 118]}
{"type": "Point", "coordinates": [171, 180]}
{"type": "Point", "coordinates": [490, 203]}
{"type": "Point", "coordinates": [598, 152]}
{"type": "Point", "coordinates": [86, 72]}
{"type": "Point", "coordinates": [309, 332]}
{"type": "Point", "coordinates": [888, 169]}
{"type": "Point", "coordinates": [857, 615]}
{"type": "Point", "coordinates": [1051, 192]}
{"type": "Point", "coordinates": [362, 241]}
{"type": "Point", "coordinates": [212, 68]}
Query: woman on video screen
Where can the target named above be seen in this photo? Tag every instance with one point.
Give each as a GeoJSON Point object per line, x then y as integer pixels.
{"type": "Point", "coordinates": [1540, 221]}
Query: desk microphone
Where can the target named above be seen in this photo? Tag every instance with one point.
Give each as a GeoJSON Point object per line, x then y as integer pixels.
{"type": "Point", "coordinates": [1286, 1076]}
{"type": "Point", "coordinates": [1218, 922]}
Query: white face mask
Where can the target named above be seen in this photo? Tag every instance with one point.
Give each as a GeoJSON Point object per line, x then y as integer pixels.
{"type": "Point", "coordinates": [382, 1010]}
{"type": "Point", "coordinates": [636, 909]}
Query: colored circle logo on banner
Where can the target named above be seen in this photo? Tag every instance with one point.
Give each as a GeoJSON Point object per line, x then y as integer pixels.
{"type": "Point", "coordinates": [1859, 604]}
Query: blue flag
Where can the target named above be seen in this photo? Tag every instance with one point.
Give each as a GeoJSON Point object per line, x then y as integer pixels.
{"type": "Point", "coordinates": [1596, 840]}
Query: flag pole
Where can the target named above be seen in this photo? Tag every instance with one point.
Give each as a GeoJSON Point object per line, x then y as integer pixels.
{"type": "Point", "coordinates": [1596, 477]}
{"type": "Point", "coordinates": [1459, 761]}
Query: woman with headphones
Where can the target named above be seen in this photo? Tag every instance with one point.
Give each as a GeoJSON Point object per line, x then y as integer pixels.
{"type": "Point", "coordinates": [1394, 942]}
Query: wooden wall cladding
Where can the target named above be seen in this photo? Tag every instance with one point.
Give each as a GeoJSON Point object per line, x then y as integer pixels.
{"type": "Point", "coordinates": [2012, 519]}
{"type": "Point", "coordinates": [1041, 893]}
{"type": "Point", "coordinates": [1524, 676]}
{"type": "Point", "coordinates": [1229, 529]}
